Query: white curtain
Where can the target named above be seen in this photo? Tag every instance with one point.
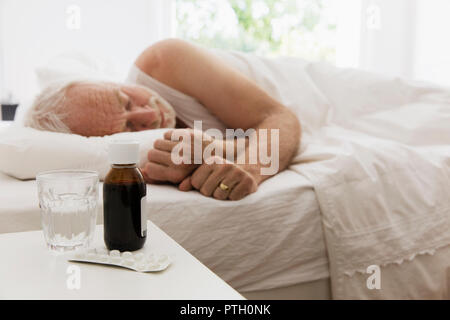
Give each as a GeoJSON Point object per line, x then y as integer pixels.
{"type": "Point", "coordinates": [33, 32]}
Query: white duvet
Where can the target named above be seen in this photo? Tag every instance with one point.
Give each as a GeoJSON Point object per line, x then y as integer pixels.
{"type": "Point", "coordinates": [377, 151]}
{"type": "Point", "coordinates": [380, 167]}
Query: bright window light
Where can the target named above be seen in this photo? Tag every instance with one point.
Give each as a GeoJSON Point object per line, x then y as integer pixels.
{"type": "Point", "coordinates": [302, 28]}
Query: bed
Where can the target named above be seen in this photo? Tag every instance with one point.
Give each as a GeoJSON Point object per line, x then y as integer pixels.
{"type": "Point", "coordinates": [369, 189]}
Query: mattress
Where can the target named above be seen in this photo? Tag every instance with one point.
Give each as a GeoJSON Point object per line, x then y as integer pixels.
{"type": "Point", "coordinates": [271, 239]}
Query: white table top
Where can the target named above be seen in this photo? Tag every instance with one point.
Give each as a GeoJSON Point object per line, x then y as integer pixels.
{"type": "Point", "coordinates": [29, 271]}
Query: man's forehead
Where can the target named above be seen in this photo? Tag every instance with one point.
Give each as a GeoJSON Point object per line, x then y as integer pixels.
{"type": "Point", "coordinates": [93, 93]}
{"type": "Point", "coordinates": [92, 87]}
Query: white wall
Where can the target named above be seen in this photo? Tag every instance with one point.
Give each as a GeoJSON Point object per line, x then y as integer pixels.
{"type": "Point", "coordinates": [387, 36]}
{"type": "Point", "coordinates": [432, 47]}
{"type": "Point", "coordinates": [411, 39]}
{"type": "Point", "coordinates": [33, 32]}
{"type": "Point", "coordinates": [348, 42]}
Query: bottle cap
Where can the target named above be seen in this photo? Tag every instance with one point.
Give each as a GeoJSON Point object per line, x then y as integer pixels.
{"type": "Point", "coordinates": [123, 152]}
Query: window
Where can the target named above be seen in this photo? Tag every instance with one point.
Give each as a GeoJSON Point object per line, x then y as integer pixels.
{"type": "Point", "coordinates": [399, 37]}
{"type": "Point", "coordinates": [303, 28]}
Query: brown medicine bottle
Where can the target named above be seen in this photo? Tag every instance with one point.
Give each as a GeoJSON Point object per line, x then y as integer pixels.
{"type": "Point", "coordinates": [124, 199]}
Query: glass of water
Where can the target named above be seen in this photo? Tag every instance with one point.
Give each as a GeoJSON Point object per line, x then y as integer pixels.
{"type": "Point", "coordinates": [69, 202]}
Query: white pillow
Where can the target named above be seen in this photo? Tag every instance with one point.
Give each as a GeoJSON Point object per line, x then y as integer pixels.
{"type": "Point", "coordinates": [24, 152]}
{"type": "Point", "coordinates": [73, 65]}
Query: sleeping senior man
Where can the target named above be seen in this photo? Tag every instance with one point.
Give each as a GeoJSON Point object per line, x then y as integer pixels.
{"type": "Point", "coordinates": [174, 84]}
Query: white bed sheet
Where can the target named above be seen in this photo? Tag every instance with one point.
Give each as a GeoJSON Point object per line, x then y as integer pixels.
{"type": "Point", "coordinates": [271, 239]}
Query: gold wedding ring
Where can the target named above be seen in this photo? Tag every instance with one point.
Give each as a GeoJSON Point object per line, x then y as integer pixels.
{"type": "Point", "coordinates": [224, 187]}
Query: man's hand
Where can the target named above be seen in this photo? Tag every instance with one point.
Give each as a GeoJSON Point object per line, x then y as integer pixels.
{"type": "Point", "coordinates": [221, 180]}
{"type": "Point", "coordinates": [160, 167]}
{"type": "Point", "coordinates": [216, 177]}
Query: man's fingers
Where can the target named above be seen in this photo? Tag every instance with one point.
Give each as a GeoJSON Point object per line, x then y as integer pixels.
{"type": "Point", "coordinates": [168, 146]}
{"type": "Point", "coordinates": [230, 182]}
{"type": "Point", "coordinates": [165, 145]}
{"type": "Point", "coordinates": [239, 192]}
{"type": "Point", "coordinates": [146, 178]}
{"type": "Point", "coordinates": [158, 172]}
{"type": "Point", "coordinates": [168, 135]}
{"type": "Point", "coordinates": [177, 135]}
{"type": "Point", "coordinates": [244, 188]}
{"type": "Point", "coordinates": [155, 171]}
{"type": "Point", "coordinates": [185, 185]}
{"type": "Point", "coordinates": [214, 179]}
{"type": "Point", "coordinates": [180, 134]}
{"type": "Point", "coordinates": [200, 175]}
{"type": "Point", "coordinates": [160, 157]}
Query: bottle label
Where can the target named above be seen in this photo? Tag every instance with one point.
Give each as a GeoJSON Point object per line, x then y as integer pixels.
{"type": "Point", "coordinates": [143, 216]}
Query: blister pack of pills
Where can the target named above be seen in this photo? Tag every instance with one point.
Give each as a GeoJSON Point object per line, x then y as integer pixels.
{"type": "Point", "coordinates": [141, 262]}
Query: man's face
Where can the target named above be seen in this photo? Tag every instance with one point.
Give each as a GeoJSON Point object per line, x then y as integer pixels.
{"type": "Point", "coordinates": [105, 109]}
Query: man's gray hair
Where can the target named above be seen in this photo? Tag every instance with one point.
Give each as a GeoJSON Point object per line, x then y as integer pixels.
{"type": "Point", "coordinates": [47, 111]}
